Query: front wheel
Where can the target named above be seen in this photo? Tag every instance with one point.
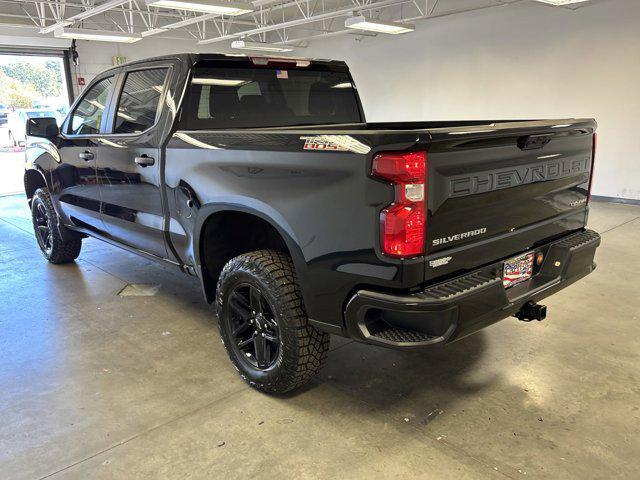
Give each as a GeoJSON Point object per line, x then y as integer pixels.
{"type": "Point", "coordinates": [45, 225]}
{"type": "Point", "coordinates": [263, 324]}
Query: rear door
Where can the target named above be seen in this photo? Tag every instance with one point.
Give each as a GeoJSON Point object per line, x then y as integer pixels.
{"type": "Point", "coordinates": [74, 176]}
{"type": "Point", "coordinates": [129, 161]}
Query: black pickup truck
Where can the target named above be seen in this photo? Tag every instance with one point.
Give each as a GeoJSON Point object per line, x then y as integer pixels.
{"type": "Point", "coordinates": [261, 177]}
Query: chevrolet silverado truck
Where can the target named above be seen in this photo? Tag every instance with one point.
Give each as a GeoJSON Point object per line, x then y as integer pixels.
{"type": "Point", "coordinates": [261, 177]}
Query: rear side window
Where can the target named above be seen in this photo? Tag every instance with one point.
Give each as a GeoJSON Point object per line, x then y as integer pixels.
{"type": "Point", "coordinates": [86, 118]}
{"type": "Point", "coordinates": [268, 97]}
{"type": "Point", "coordinates": [139, 100]}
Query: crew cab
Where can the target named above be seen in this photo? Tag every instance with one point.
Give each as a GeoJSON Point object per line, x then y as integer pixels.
{"type": "Point", "coordinates": [261, 177]}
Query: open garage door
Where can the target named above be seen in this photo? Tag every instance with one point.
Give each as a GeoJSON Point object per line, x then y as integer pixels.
{"type": "Point", "coordinates": [34, 82]}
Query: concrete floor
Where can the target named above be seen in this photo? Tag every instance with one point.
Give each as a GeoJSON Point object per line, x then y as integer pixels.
{"type": "Point", "coordinates": [96, 385]}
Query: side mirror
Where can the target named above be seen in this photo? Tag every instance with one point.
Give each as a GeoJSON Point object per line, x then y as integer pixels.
{"type": "Point", "coordinates": [44, 127]}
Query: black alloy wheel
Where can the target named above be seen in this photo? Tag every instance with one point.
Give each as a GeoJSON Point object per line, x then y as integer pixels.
{"type": "Point", "coordinates": [42, 226]}
{"type": "Point", "coordinates": [263, 322]}
{"type": "Point", "coordinates": [56, 242]}
{"type": "Point", "coordinates": [254, 331]}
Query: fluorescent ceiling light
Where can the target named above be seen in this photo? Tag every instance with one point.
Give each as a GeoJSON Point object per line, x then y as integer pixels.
{"type": "Point", "coordinates": [224, 82]}
{"type": "Point", "coordinates": [180, 24]}
{"type": "Point", "coordinates": [55, 26]}
{"type": "Point", "coordinates": [371, 25]}
{"type": "Point", "coordinates": [98, 35]}
{"type": "Point", "coordinates": [561, 2]}
{"type": "Point", "coordinates": [342, 85]}
{"type": "Point", "coordinates": [262, 47]}
{"type": "Point", "coordinates": [219, 7]}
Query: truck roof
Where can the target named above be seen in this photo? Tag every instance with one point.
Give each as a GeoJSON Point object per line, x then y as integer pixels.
{"type": "Point", "coordinates": [232, 58]}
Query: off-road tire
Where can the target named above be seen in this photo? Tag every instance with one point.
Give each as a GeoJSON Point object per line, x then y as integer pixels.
{"type": "Point", "coordinates": [59, 250]}
{"type": "Point", "coordinates": [303, 348]}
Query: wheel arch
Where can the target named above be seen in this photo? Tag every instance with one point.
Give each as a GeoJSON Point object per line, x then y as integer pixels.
{"type": "Point", "coordinates": [226, 230]}
{"type": "Point", "coordinates": [33, 180]}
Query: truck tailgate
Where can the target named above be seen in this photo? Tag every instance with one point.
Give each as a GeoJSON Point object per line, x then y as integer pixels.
{"type": "Point", "coordinates": [498, 189]}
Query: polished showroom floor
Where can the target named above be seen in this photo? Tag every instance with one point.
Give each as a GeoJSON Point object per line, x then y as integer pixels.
{"type": "Point", "coordinates": [94, 384]}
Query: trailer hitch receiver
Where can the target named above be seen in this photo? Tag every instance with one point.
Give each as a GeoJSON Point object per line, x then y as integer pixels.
{"type": "Point", "coordinates": [532, 311]}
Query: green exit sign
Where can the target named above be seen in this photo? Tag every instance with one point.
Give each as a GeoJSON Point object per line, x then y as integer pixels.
{"type": "Point", "coordinates": [118, 60]}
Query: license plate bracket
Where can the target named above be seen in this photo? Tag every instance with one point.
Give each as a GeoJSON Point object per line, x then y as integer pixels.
{"type": "Point", "coordinates": [517, 269]}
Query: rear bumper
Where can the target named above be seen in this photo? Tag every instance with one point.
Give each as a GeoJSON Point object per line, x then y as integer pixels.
{"type": "Point", "coordinates": [458, 307]}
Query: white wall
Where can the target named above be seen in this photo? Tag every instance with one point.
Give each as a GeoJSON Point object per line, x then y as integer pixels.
{"type": "Point", "coordinates": [526, 60]}
{"type": "Point", "coordinates": [96, 57]}
{"type": "Point", "coordinates": [520, 61]}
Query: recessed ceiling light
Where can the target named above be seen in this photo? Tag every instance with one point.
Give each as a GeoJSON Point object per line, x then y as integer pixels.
{"type": "Point", "coordinates": [561, 2]}
{"type": "Point", "coordinates": [371, 25]}
{"type": "Point", "coordinates": [219, 7]}
{"type": "Point", "coordinates": [261, 47]}
{"type": "Point", "coordinates": [98, 35]}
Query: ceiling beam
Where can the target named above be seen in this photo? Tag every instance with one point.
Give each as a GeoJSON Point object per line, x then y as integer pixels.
{"type": "Point", "coordinates": [214, 16]}
{"type": "Point", "coordinates": [103, 7]}
{"type": "Point", "coordinates": [302, 21]}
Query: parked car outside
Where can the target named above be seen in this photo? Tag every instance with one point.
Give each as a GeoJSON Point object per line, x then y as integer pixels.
{"type": "Point", "coordinates": [4, 110]}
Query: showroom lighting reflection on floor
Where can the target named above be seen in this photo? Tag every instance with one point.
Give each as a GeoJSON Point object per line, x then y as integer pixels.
{"type": "Point", "coordinates": [559, 3]}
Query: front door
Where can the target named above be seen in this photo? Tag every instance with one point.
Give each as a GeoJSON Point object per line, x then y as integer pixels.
{"type": "Point", "coordinates": [129, 164]}
{"type": "Point", "coordinates": [74, 182]}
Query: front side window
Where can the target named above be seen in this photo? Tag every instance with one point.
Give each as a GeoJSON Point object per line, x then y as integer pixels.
{"type": "Point", "coordinates": [139, 100]}
{"type": "Point", "coordinates": [254, 97]}
{"type": "Point", "coordinates": [87, 116]}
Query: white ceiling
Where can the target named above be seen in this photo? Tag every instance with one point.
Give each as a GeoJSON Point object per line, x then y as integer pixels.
{"type": "Point", "coordinates": [294, 22]}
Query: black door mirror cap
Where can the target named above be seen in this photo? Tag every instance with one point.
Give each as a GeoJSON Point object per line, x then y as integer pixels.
{"type": "Point", "coordinates": [43, 127]}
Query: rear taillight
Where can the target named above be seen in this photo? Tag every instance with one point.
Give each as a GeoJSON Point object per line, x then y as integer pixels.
{"type": "Point", "coordinates": [403, 223]}
{"type": "Point", "coordinates": [593, 163]}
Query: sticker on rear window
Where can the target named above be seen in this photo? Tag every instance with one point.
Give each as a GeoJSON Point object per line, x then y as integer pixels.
{"type": "Point", "coordinates": [282, 74]}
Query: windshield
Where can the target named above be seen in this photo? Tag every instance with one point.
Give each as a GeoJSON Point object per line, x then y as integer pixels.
{"type": "Point", "coordinates": [268, 97]}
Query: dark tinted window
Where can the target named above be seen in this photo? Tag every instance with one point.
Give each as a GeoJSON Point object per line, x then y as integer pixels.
{"type": "Point", "coordinates": [268, 97]}
{"type": "Point", "coordinates": [139, 100]}
{"type": "Point", "coordinates": [87, 116]}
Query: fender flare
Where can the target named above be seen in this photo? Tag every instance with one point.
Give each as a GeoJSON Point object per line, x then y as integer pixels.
{"type": "Point", "coordinates": [253, 207]}
{"type": "Point", "coordinates": [37, 169]}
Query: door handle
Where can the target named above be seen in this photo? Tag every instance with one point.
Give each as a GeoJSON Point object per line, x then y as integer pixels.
{"type": "Point", "coordinates": [86, 156]}
{"type": "Point", "coordinates": [144, 161]}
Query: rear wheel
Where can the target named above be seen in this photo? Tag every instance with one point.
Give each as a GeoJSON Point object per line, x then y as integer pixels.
{"type": "Point", "coordinates": [263, 324]}
{"type": "Point", "coordinates": [45, 226]}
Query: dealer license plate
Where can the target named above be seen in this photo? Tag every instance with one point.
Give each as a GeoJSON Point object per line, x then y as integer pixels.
{"type": "Point", "coordinates": [517, 269]}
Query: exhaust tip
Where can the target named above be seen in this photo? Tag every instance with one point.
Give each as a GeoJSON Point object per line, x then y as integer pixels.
{"type": "Point", "coordinates": [532, 311]}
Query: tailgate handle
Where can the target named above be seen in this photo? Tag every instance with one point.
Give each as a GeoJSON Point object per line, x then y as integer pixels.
{"type": "Point", "coordinates": [533, 142]}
